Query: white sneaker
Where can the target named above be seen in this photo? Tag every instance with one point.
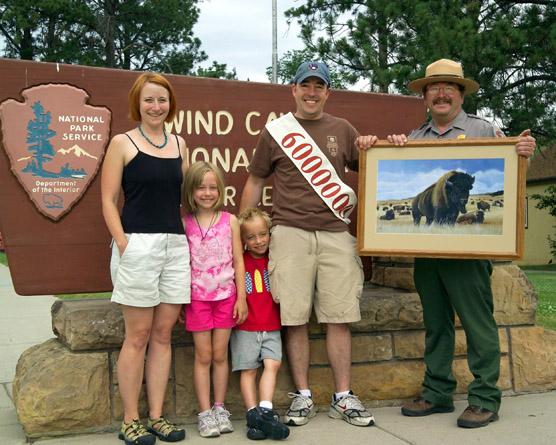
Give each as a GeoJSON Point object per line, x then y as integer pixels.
{"type": "Point", "coordinates": [351, 410]}
{"type": "Point", "coordinates": [301, 410]}
{"type": "Point", "coordinates": [222, 417]}
{"type": "Point", "coordinates": [207, 424]}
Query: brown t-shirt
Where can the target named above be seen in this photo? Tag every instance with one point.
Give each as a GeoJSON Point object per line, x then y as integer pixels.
{"type": "Point", "coordinates": [295, 203]}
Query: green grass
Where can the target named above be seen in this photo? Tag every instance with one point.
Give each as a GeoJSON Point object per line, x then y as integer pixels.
{"type": "Point", "coordinates": [545, 284]}
{"type": "Point", "coordinates": [547, 267]}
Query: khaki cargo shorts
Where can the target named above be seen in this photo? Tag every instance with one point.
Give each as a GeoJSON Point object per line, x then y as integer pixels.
{"type": "Point", "coordinates": [319, 269]}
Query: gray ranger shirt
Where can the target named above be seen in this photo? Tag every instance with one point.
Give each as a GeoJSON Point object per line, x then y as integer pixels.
{"type": "Point", "coordinates": [464, 126]}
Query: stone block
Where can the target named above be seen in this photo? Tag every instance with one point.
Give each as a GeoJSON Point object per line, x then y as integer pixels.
{"type": "Point", "coordinates": [56, 391]}
{"type": "Point", "coordinates": [461, 372]}
{"type": "Point", "coordinates": [400, 277]}
{"type": "Point", "coordinates": [411, 345]}
{"type": "Point", "coordinates": [378, 274]}
{"type": "Point", "coordinates": [88, 324]}
{"type": "Point", "coordinates": [371, 348]}
{"type": "Point", "coordinates": [143, 406]}
{"type": "Point", "coordinates": [93, 324]}
{"type": "Point", "coordinates": [533, 352]}
{"type": "Point", "coordinates": [403, 260]}
{"type": "Point", "coordinates": [371, 382]}
{"type": "Point", "coordinates": [515, 298]}
{"type": "Point", "coordinates": [114, 366]}
{"type": "Point", "coordinates": [186, 398]}
{"type": "Point", "coordinates": [364, 348]}
{"type": "Point", "coordinates": [383, 308]}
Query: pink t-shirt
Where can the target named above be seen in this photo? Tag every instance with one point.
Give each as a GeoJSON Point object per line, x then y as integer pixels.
{"type": "Point", "coordinates": [212, 272]}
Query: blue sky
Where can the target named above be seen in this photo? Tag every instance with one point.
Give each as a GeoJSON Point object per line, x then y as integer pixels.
{"type": "Point", "coordinates": [402, 179]}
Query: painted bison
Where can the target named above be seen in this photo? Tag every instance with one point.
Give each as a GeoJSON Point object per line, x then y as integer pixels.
{"type": "Point", "coordinates": [388, 216]}
{"type": "Point", "coordinates": [477, 217]}
{"type": "Point", "coordinates": [398, 208]}
{"type": "Point", "coordinates": [483, 205]}
{"type": "Point", "coordinates": [405, 212]}
{"type": "Point", "coordinates": [444, 200]}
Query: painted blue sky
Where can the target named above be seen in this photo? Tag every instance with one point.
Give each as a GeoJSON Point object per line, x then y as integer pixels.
{"type": "Point", "coordinates": [402, 179]}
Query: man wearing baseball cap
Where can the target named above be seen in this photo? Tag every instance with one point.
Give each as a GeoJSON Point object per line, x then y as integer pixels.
{"type": "Point", "coordinates": [462, 286]}
{"type": "Point", "coordinates": [312, 255]}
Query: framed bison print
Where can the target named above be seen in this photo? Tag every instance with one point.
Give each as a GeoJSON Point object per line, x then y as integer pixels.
{"type": "Point", "coordinates": [447, 198]}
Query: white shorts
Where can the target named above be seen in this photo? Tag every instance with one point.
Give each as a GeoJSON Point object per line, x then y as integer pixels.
{"type": "Point", "coordinates": [153, 269]}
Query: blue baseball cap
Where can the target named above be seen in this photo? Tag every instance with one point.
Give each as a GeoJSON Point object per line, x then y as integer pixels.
{"type": "Point", "coordinates": [308, 69]}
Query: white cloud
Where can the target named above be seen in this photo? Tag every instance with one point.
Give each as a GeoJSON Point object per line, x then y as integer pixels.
{"type": "Point", "coordinates": [403, 185]}
{"type": "Point", "coordinates": [240, 34]}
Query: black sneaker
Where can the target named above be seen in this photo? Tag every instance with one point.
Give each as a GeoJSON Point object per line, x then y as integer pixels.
{"type": "Point", "coordinates": [268, 421]}
{"type": "Point", "coordinates": [255, 434]}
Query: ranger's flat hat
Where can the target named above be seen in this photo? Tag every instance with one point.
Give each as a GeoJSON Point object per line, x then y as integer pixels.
{"type": "Point", "coordinates": [444, 70]}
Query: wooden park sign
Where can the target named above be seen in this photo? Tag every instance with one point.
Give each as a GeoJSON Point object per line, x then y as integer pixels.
{"type": "Point", "coordinates": [56, 122]}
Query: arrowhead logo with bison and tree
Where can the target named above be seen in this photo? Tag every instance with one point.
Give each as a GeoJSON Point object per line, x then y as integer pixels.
{"type": "Point", "coordinates": [55, 142]}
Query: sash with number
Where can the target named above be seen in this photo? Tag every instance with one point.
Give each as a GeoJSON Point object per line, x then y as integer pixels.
{"type": "Point", "coordinates": [313, 165]}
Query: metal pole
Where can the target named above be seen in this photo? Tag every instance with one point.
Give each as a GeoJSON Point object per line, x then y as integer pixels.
{"type": "Point", "coordinates": [274, 44]}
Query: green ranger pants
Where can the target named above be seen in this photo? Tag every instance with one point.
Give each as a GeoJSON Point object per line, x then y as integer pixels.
{"type": "Point", "coordinates": [463, 286]}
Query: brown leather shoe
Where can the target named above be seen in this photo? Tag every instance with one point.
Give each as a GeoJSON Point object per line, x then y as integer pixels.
{"type": "Point", "coordinates": [476, 416]}
{"type": "Point", "coordinates": [421, 407]}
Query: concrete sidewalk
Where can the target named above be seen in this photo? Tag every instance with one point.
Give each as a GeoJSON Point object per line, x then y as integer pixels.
{"type": "Point", "coordinates": [526, 419]}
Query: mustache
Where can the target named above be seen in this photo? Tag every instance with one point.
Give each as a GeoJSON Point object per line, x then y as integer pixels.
{"type": "Point", "coordinates": [442, 99]}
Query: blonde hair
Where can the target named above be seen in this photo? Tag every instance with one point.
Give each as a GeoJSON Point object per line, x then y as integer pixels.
{"type": "Point", "coordinates": [250, 213]}
{"type": "Point", "coordinates": [135, 95]}
{"type": "Point", "coordinates": [194, 178]}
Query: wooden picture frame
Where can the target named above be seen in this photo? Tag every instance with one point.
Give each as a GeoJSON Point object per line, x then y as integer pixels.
{"type": "Point", "coordinates": [390, 178]}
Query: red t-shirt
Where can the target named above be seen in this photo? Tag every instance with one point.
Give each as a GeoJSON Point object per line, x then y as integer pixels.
{"type": "Point", "coordinates": [264, 313]}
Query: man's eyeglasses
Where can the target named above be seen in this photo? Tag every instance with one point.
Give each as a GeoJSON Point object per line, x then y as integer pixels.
{"type": "Point", "coordinates": [447, 89]}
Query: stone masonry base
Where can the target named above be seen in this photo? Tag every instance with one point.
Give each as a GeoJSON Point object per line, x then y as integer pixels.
{"type": "Point", "coordinates": [69, 384]}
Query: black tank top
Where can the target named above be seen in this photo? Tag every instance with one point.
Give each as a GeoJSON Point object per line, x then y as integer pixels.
{"type": "Point", "coordinates": [152, 192]}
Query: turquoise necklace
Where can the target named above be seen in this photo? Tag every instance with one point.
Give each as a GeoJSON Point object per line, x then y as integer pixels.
{"type": "Point", "coordinates": [151, 142]}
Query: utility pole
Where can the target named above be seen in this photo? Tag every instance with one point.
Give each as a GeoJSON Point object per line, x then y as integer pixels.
{"type": "Point", "coordinates": [274, 44]}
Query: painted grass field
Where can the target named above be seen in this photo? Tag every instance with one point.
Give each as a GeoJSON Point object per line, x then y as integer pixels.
{"type": "Point", "coordinates": [492, 224]}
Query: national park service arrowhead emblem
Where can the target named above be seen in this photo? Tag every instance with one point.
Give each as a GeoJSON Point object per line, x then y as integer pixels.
{"type": "Point", "coordinates": [55, 142]}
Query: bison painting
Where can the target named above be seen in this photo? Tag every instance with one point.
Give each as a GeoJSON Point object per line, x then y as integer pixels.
{"type": "Point", "coordinates": [398, 208]}
{"type": "Point", "coordinates": [483, 205]}
{"type": "Point", "coordinates": [477, 217]}
{"type": "Point", "coordinates": [444, 200]}
{"type": "Point", "coordinates": [388, 216]}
